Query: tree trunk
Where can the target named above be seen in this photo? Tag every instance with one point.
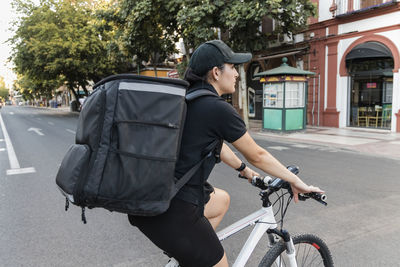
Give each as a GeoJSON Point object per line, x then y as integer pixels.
{"type": "Point", "coordinates": [243, 95]}
{"type": "Point", "coordinates": [186, 52]}
{"type": "Point", "coordinates": [74, 92]}
{"type": "Point", "coordinates": [155, 70]}
{"type": "Point", "coordinates": [154, 63]}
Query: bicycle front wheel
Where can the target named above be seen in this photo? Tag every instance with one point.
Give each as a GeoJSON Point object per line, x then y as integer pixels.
{"type": "Point", "coordinates": [310, 251]}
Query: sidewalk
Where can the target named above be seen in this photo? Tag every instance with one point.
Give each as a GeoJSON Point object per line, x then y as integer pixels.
{"type": "Point", "coordinates": [61, 109]}
{"type": "Point", "coordinates": [367, 141]}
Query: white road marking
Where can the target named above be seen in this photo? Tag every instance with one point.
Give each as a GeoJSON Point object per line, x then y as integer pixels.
{"type": "Point", "coordinates": [21, 171]}
{"type": "Point", "coordinates": [51, 123]}
{"type": "Point", "coordinates": [300, 146]}
{"type": "Point", "coordinates": [12, 113]}
{"type": "Point", "coordinates": [2, 149]}
{"type": "Point", "coordinates": [68, 130]}
{"type": "Point", "coordinates": [280, 148]}
{"type": "Point", "coordinates": [12, 157]}
{"type": "Point", "coordinates": [395, 142]}
{"type": "Point", "coordinates": [1, 140]}
{"type": "Point", "coordinates": [14, 164]}
{"type": "Point", "coordinates": [36, 130]}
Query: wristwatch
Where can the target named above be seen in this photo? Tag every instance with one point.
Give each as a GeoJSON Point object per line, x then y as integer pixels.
{"type": "Point", "coordinates": [242, 167]}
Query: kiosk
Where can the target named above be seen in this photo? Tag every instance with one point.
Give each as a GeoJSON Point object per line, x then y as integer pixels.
{"type": "Point", "coordinates": [284, 98]}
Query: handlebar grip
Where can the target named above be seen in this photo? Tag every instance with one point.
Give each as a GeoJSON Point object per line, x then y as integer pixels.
{"type": "Point", "coordinates": [321, 198]}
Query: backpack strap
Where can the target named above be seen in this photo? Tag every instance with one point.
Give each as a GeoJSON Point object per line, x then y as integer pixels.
{"type": "Point", "coordinates": [186, 177]}
{"type": "Point", "coordinates": [198, 93]}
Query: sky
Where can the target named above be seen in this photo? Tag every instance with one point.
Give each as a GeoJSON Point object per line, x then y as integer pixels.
{"type": "Point", "coordinates": [6, 16]}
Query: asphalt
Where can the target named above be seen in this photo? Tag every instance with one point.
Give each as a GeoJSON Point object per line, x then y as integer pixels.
{"type": "Point", "coordinates": [375, 142]}
{"type": "Point", "coordinates": [368, 141]}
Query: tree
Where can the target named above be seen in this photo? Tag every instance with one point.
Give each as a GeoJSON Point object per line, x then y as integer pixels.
{"type": "Point", "coordinates": [58, 42]}
{"type": "Point", "coordinates": [240, 20]}
{"type": "Point", "coordinates": [31, 88]}
{"type": "Point", "coordinates": [3, 90]}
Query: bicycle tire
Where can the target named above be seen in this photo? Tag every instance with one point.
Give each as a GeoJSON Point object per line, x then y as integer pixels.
{"type": "Point", "coordinates": [308, 247]}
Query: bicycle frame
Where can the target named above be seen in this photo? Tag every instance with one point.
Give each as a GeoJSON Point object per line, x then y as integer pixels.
{"type": "Point", "coordinates": [263, 219]}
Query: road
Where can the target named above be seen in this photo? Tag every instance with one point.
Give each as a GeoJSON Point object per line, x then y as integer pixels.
{"type": "Point", "coordinates": [361, 224]}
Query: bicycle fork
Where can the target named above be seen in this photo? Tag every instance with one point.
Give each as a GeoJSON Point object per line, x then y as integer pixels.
{"type": "Point", "coordinates": [290, 249]}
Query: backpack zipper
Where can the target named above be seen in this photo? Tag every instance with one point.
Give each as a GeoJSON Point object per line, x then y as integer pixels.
{"type": "Point", "coordinates": [167, 125]}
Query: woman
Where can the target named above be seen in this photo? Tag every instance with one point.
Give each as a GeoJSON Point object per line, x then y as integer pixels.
{"type": "Point", "coordinates": [186, 230]}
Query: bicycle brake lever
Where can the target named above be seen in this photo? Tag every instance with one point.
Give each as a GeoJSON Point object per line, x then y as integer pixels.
{"type": "Point", "coordinates": [303, 197]}
{"type": "Point", "coordinates": [241, 176]}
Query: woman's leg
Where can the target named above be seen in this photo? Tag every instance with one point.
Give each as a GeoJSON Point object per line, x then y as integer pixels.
{"type": "Point", "coordinates": [223, 262]}
{"type": "Point", "coordinates": [183, 233]}
{"type": "Point", "coordinates": [217, 206]}
{"type": "Point", "coordinates": [214, 211]}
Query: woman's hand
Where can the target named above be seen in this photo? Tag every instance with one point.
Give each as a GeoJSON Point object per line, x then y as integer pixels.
{"type": "Point", "coordinates": [249, 173]}
{"type": "Point", "coordinates": [300, 187]}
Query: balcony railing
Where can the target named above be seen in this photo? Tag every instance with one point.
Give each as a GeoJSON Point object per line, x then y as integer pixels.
{"type": "Point", "coordinates": [342, 6]}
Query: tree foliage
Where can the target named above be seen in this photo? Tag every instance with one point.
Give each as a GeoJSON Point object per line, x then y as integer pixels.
{"type": "Point", "coordinates": [3, 90]}
{"type": "Point", "coordinates": [240, 20]}
{"type": "Point", "coordinates": [146, 30]}
{"type": "Point", "coordinates": [58, 42]}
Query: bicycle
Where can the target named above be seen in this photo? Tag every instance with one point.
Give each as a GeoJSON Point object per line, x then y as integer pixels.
{"type": "Point", "coordinates": [300, 250]}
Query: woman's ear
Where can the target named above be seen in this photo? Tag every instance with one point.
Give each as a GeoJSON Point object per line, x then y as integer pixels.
{"type": "Point", "coordinates": [215, 73]}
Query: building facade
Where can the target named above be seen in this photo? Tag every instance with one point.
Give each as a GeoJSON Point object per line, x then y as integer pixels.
{"type": "Point", "coordinates": [353, 47]}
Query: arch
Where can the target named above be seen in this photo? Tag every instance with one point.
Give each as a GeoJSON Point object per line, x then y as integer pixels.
{"type": "Point", "coordinates": [371, 38]}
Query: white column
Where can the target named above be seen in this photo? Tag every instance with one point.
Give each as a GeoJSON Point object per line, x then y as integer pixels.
{"type": "Point", "coordinates": [326, 79]}
{"type": "Point", "coordinates": [395, 99]}
{"type": "Point", "coordinates": [341, 99]}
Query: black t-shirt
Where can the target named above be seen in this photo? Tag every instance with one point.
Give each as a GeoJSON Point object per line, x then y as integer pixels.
{"type": "Point", "coordinates": [208, 118]}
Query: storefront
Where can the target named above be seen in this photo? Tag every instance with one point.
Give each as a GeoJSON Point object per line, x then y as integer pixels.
{"type": "Point", "coordinates": [370, 66]}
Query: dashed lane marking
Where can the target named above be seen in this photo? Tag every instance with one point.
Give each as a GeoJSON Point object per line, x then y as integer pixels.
{"type": "Point", "coordinates": [280, 148]}
{"type": "Point", "coordinates": [68, 130]}
{"type": "Point", "coordinates": [320, 148]}
{"type": "Point", "coordinates": [2, 149]}
{"type": "Point", "coordinates": [301, 146]}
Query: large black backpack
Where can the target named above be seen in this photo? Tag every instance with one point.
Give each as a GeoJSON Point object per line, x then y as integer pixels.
{"type": "Point", "coordinates": [127, 143]}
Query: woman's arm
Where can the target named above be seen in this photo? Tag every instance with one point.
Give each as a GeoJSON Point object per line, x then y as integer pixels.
{"type": "Point", "coordinates": [229, 158]}
{"type": "Point", "coordinates": [263, 160]}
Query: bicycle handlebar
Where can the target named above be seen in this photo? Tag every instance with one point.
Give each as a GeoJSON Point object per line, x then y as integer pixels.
{"type": "Point", "coordinates": [274, 184]}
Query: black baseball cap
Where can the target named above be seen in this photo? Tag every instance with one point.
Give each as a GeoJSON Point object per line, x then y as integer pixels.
{"type": "Point", "coordinates": [215, 53]}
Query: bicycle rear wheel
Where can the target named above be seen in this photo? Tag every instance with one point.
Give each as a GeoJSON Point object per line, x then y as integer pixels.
{"type": "Point", "coordinates": [310, 251]}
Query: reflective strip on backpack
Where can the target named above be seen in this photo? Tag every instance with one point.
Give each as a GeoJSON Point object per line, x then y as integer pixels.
{"type": "Point", "coordinates": [154, 88]}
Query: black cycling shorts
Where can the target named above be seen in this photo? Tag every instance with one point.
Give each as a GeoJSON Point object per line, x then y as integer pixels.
{"type": "Point", "coordinates": [183, 233]}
